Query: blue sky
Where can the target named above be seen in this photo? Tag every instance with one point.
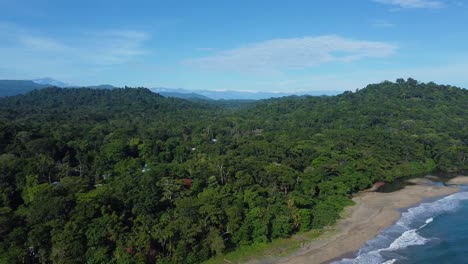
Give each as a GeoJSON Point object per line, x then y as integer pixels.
{"type": "Point", "coordinates": [254, 45]}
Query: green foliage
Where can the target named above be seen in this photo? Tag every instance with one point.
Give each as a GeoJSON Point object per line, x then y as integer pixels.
{"type": "Point", "coordinates": [326, 212]}
{"type": "Point", "coordinates": [128, 176]}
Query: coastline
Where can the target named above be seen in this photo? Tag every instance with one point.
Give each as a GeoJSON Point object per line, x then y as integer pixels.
{"type": "Point", "coordinates": [372, 213]}
{"type": "Point", "coordinates": [458, 180]}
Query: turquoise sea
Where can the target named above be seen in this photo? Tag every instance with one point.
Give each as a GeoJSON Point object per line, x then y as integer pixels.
{"type": "Point", "coordinates": [433, 232]}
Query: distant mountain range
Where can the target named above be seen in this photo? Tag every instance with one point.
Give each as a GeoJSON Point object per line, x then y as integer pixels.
{"type": "Point", "coordinates": [51, 82]}
{"type": "Point", "coordinates": [184, 95]}
{"type": "Point", "coordinates": [14, 87]}
{"type": "Point", "coordinates": [232, 95]}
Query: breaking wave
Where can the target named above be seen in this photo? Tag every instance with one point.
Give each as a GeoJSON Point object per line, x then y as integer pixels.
{"type": "Point", "coordinates": [404, 233]}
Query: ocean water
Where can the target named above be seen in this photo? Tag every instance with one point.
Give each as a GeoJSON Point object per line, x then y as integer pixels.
{"type": "Point", "coordinates": [433, 232]}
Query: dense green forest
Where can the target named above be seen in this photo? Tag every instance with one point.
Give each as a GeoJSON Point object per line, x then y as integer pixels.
{"type": "Point", "coordinates": [129, 176]}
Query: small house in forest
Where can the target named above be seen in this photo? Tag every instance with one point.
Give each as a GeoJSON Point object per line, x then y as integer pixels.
{"type": "Point", "coordinates": [187, 182]}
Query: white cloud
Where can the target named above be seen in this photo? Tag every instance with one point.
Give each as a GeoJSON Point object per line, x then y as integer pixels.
{"type": "Point", "coordinates": [383, 24]}
{"type": "Point", "coordinates": [40, 43]}
{"type": "Point", "coordinates": [413, 3]}
{"type": "Point", "coordinates": [115, 47]}
{"type": "Point", "coordinates": [30, 52]}
{"type": "Point", "coordinates": [294, 53]}
{"type": "Point", "coordinates": [451, 73]}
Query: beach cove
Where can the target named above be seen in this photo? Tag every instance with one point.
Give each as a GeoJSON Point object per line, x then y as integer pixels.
{"type": "Point", "coordinates": [372, 213]}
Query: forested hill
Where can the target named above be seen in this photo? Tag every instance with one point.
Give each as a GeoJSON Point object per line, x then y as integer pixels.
{"type": "Point", "coordinates": [129, 176]}
{"type": "Point", "coordinates": [14, 87]}
{"type": "Point", "coordinates": [407, 107]}
{"type": "Point", "coordinates": [120, 103]}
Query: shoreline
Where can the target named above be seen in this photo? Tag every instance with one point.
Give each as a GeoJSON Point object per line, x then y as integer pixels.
{"type": "Point", "coordinates": [459, 180]}
{"type": "Point", "coordinates": [372, 213]}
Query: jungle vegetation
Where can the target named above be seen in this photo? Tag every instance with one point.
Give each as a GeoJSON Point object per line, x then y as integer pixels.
{"type": "Point", "coordinates": [129, 176]}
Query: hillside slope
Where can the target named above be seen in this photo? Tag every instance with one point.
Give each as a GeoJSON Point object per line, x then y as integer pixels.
{"type": "Point", "coordinates": [14, 87]}
{"type": "Point", "coordinates": [129, 176]}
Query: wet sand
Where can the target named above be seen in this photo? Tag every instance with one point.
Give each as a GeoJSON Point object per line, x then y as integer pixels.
{"type": "Point", "coordinates": [372, 213]}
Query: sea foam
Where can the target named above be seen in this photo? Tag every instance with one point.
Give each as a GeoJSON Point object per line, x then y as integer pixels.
{"type": "Point", "coordinates": [405, 232]}
{"type": "Point", "coordinates": [408, 238]}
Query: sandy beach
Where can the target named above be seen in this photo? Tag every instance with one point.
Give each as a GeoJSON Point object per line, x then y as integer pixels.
{"type": "Point", "coordinates": [372, 213]}
{"type": "Point", "coordinates": [458, 180]}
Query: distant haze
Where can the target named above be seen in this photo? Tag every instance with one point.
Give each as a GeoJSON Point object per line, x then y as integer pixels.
{"type": "Point", "coordinates": [13, 87]}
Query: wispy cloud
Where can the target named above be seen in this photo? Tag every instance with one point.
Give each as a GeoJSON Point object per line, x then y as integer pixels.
{"type": "Point", "coordinates": [38, 43]}
{"type": "Point", "coordinates": [383, 24]}
{"type": "Point", "coordinates": [413, 3]}
{"type": "Point", "coordinates": [27, 50]}
{"type": "Point", "coordinates": [294, 53]}
{"type": "Point", "coordinates": [115, 47]}
{"type": "Point", "coordinates": [451, 73]}
{"type": "Point", "coordinates": [204, 49]}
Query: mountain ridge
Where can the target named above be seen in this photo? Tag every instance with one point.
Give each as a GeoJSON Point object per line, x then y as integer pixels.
{"type": "Point", "coordinates": [199, 94]}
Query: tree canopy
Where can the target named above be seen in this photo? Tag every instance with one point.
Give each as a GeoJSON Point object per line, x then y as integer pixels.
{"type": "Point", "coordinates": [129, 176]}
